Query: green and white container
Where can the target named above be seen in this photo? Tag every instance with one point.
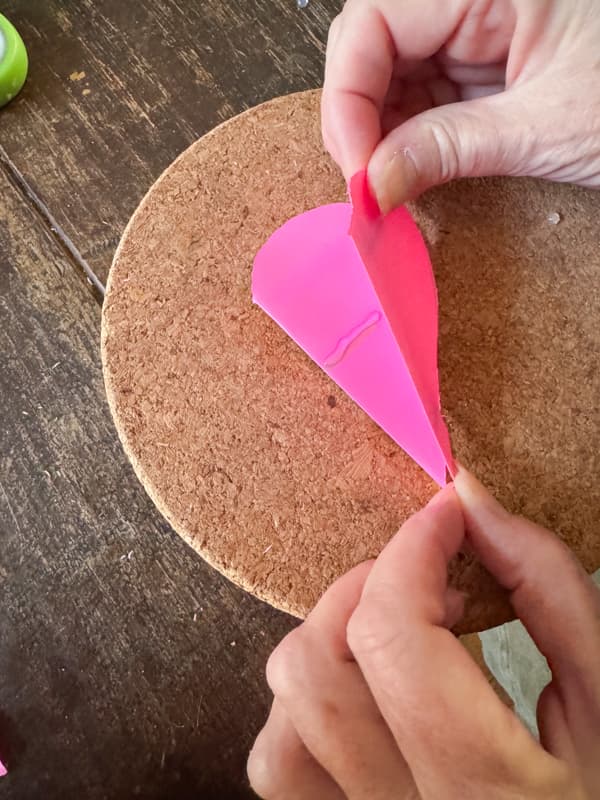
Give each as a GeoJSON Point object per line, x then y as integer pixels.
{"type": "Point", "coordinates": [13, 61]}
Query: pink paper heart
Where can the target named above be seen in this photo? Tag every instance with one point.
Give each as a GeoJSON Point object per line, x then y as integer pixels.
{"type": "Point", "coordinates": [356, 291]}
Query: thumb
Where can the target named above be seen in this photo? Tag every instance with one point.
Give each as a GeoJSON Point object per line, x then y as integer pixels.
{"type": "Point", "coordinates": [555, 599]}
{"type": "Point", "coordinates": [477, 137]}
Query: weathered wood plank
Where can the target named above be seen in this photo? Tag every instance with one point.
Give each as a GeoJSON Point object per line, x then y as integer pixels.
{"type": "Point", "coordinates": [117, 89]}
{"type": "Point", "coordinates": [118, 672]}
{"type": "Point", "coordinates": [127, 666]}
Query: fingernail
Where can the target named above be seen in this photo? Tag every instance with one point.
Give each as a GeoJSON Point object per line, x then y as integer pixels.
{"type": "Point", "coordinates": [397, 181]}
{"type": "Point", "coordinates": [475, 497]}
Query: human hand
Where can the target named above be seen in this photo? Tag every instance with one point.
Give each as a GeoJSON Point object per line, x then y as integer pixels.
{"type": "Point", "coordinates": [424, 91]}
{"type": "Point", "coordinates": [375, 698]}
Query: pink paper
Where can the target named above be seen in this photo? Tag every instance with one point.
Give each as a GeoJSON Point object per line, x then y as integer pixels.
{"type": "Point", "coordinates": [356, 291]}
{"type": "Point", "coordinates": [3, 770]}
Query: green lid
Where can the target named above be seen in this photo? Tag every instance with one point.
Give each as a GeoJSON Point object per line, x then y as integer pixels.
{"type": "Point", "coordinates": [13, 61]}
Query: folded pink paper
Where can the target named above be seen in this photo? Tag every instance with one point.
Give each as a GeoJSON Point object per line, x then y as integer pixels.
{"type": "Point", "coordinates": [3, 770]}
{"type": "Point", "coordinates": [355, 289]}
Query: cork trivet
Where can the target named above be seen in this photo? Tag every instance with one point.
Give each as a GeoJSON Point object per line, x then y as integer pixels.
{"type": "Point", "coordinates": [255, 457]}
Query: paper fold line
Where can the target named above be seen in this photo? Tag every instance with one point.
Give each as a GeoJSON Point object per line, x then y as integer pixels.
{"type": "Point", "coordinates": [356, 291]}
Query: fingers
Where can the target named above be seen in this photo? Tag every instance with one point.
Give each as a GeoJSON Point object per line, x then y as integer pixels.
{"type": "Point", "coordinates": [358, 70]}
{"type": "Point", "coordinates": [475, 137]}
{"type": "Point", "coordinates": [572, 737]}
{"type": "Point", "coordinates": [437, 703]}
{"type": "Point", "coordinates": [314, 677]}
{"type": "Point", "coordinates": [360, 61]}
{"type": "Point", "coordinates": [553, 726]}
{"type": "Point", "coordinates": [374, 41]}
{"type": "Point", "coordinates": [560, 607]}
{"type": "Point", "coordinates": [280, 766]}
{"type": "Point", "coordinates": [557, 602]}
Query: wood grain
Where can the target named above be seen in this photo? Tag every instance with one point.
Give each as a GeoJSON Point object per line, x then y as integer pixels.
{"type": "Point", "coordinates": [118, 676]}
{"type": "Point", "coordinates": [128, 667]}
{"type": "Point", "coordinates": [118, 89]}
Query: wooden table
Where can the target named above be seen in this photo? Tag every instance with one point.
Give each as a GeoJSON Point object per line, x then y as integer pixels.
{"type": "Point", "coordinates": [128, 667]}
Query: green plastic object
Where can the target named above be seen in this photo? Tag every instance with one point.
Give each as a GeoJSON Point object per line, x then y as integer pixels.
{"type": "Point", "coordinates": [13, 61]}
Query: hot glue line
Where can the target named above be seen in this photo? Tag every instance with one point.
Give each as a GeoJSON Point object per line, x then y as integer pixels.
{"type": "Point", "coordinates": [347, 341]}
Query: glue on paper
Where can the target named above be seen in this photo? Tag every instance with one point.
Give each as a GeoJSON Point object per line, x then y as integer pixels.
{"type": "Point", "coordinates": [356, 291]}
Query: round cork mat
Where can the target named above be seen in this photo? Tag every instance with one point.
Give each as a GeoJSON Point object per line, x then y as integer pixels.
{"type": "Point", "coordinates": [255, 457]}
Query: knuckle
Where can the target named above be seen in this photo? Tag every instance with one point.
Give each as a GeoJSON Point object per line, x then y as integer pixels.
{"type": "Point", "coordinates": [334, 30]}
{"type": "Point", "coordinates": [284, 667]}
{"type": "Point", "coordinates": [260, 772]}
{"type": "Point", "coordinates": [357, 630]}
{"type": "Point", "coordinates": [267, 770]}
{"type": "Point", "coordinates": [555, 552]}
{"type": "Point", "coordinates": [275, 763]}
{"type": "Point", "coordinates": [364, 631]}
{"type": "Point", "coordinates": [446, 147]}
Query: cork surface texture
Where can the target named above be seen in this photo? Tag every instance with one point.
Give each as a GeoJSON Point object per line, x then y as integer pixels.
{"type": "Point", "coordinates": [256, 458]}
